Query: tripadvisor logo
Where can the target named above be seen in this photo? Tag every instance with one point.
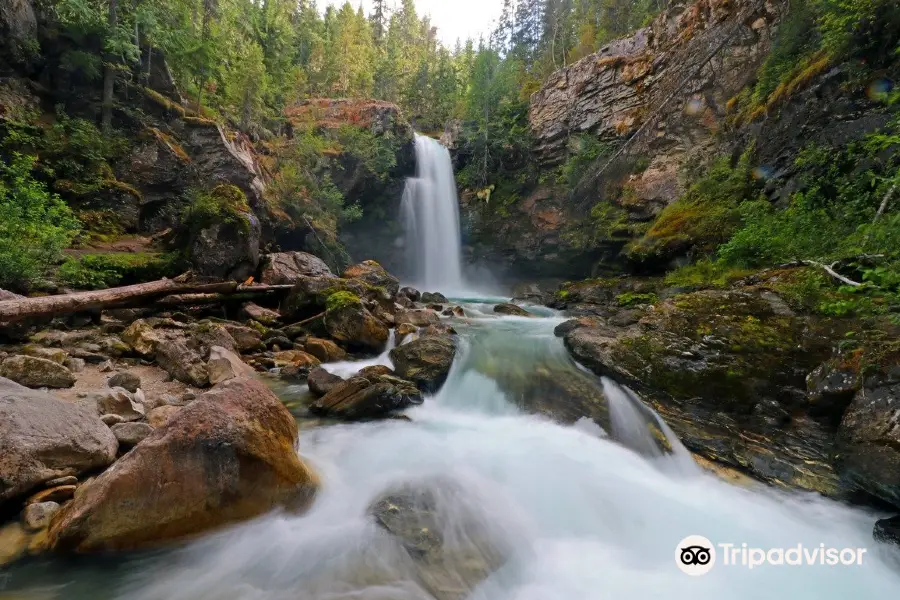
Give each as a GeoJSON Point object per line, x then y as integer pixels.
{"type": "Point", "coordinates": [696, 555]}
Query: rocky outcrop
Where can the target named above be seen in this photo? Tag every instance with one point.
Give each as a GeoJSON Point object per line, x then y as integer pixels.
{"type": "Point", "coordinates": [18, 31]}
{"type": "Point", "coordinates": [42, 438]}
{"type": "Point", "coordinates": [612, 93]}
{"type": "Point", "coordinates": [228, 456]}
{"type": "Point", "coordinates": [425, 361]}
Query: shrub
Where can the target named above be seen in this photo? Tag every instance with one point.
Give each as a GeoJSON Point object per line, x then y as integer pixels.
{"type": "Point", "coordinates": [35, 225]}
{"type": "Point", "coordinates": [702, 218]}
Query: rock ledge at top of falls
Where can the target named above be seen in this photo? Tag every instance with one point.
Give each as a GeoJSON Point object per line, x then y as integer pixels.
{"type": "Point", "coordinates": [228, 456]}
{"type": "Point", "coordinates": [611, 93]}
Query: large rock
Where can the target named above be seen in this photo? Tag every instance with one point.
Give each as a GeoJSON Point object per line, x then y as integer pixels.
{"type": "Point", "coordinates": [119, 402]}
{"type": "Point", "coordinates": [324, 350]}
{"type": "Point", "coordinates": [373, 274]}
{"type": "Point", "coordinates": [507, 308]}
{"type": "Point", "coordinates": [224, 365]}
{"type": "Point", "coordinates": [869, 439]}
{"type": "Point", "coordinates": [311, 294]}
{"type": "Point", "coordinates": [284, 268]}
{"type": "Point", "coordinates": [228, 456]}
{"type": "Point", "coordinates": [42, 438]}
{"type": "Point", "coordinates": [126, 379]}
{"type": "Point", "coordinates": [36, 372]}
{"type": "Point", "coordinates": [420, 317]}
{"type": "Point", "coordinates": [321, 381]}
{"type": "Point", "coordinates": [453, 544]}
{"type": "Point", "coordinates": [227, 249]}
{"type": "Point", "coordinates": [355, 326]}
{"type": "Point", "coordinates": [18, 30]}
{"type": "Point", "coordinates": [182, 361]}
{"type": "Point", "coordinates": [367, 398]}
{"type": "Point", "coordinates": [425, 361]}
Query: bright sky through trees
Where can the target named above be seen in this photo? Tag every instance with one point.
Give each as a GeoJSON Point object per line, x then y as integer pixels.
{"type": "Point", "coordinates": [455, 19]}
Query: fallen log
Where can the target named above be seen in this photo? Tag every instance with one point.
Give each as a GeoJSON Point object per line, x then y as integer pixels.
{"type": "Point", "coordinates": [12, 311]}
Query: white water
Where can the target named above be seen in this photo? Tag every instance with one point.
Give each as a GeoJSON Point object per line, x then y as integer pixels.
{"type": "Point", "coordinates": [430, 210]}
{"type": "Point", "coordinates": [585, 518]}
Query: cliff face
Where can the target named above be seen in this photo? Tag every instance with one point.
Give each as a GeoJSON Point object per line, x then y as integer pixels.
{"type": "Point", "coordinates": [674, 78]}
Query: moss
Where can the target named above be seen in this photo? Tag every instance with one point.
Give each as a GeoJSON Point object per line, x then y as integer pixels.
{"type": "Point", "coordinates": [170, 143]}
{"type": "Point", "coordinates": [164, 102]}
{"type": "Point", "coordinates": [633, 299]}
{"type": "Point", "coordinates": [193, 121]}
{"type": "Point", "coordinates": [96, 271]}
{"type": "Point", "coordinates": [705, 274]}
{"type": "Point", "coordinates": [339, 300]}
{"type": "Point", "coordinates": [225, 203]}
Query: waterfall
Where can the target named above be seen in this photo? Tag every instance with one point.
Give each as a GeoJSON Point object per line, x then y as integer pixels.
{"type": "Point", "coordinates": [430, 210]}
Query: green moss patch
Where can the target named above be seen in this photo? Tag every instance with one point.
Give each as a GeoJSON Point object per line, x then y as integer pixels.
{"type": "Point", "coordinates": [339, 300]}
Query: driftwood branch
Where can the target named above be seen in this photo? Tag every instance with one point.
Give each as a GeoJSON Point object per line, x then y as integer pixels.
{"type": "Point", "coordinates": [12, 311]}
{"type": "Point", "coordinates": [830, 270]}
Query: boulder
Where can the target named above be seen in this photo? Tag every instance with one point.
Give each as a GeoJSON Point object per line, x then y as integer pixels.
{"type": "Point", "coordinates": [425, 361]}
{"type": "Point", "coordinates": [375, 371]}
{"type": "Point", "coordinates": [375, 275]}
{"type": "Point", "coordinates": [224, 364]}
{"type": "Point", "coordinates": [420, 317]}
{"type": "Point", "coordinates": [182, 362]}
{"type": "Point", "coordinates": [141, 337]}
{"type": "Point", "coordinates": [311, 294]}
{"type": "Point", "coordinates": [364, 398]}
{"type": "Point", "coordinates": [355, 326]}
{"type": "Point", "coordinates": [868, 443]}
{"type": "Point", "coordinates": [411, 293]}
{"type": "Point", "coordinates": [228, 456]}
{"type": "Point", "coordinates": [226, 249]}
{"type": "Point", "coordinates": [282, 268]}
{"type": "Point", "coordinates": [403, 330]}
{"type": "Point", "coordinates": [131, 434]}
{"type": "Point", "coordinates": [120, 403]}
{"type": "Point", "coordinates": [125, 379]}
{"type": "Point", "coordinates": [42, 438]}
{"type": "Point", "coordinates": [160, 415]}
{"type": "Point", "coordinates": [887, 530]}
{"type": "Point", "coordinates": [246, 339]}
{"type": "Point", "coordinates": [433, 298]}
{"type": "Point", "coordinates": [37, 516]}
{"type": "Point", "coordinates": [321, 381]}
{"type": "Point", "coordinates": [57, 355]}
{"type": "Point", "coordinates": [324, 350]}
{"type": "Point", "coordinates": [266, 316]}
{"type": "Point", "coordinates": [452, 543]}
{"type": "Point", "coordinates": [507, 308]}
{"type": "Point", "coordinates": [36, 372]}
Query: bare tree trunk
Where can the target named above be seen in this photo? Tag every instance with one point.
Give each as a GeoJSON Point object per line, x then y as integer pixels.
{"type": "Point", "coordinates": [141, 294]}
{"type": "Point", "coordinates": [109, 74]}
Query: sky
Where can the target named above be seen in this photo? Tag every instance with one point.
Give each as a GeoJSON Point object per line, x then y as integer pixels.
{"type": "Point", "coordinates": [455, 19]}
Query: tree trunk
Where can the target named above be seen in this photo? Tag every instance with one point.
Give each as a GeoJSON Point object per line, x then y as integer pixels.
{"type": "Point", "coordinates": [109, 73]}
{"type": "Point", "coordinates": [141, 294]}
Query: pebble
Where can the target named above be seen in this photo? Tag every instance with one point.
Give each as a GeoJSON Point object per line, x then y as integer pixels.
{"type": "Point", "coordinates": [37, 516]}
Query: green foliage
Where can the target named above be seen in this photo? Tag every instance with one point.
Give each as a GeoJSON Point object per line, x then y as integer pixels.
{"type": "Point", "coordinates": [35, 225]}
{"type": "Point", "coordinates": [702, 218]}
{"type": "Point", "coordinates": [378, 153]}
{"type": "Point", "coordinates": [98, 271]}
{"type": "Point", "coordinates": [705, 273]}
{"type": "Point", "coordinates": [339, 300]}
{"type": "Point", "coordinates": [586, 150]}
{"type": "Point", "coordinates": [223, 204]}
{"type": "Point", "coordinates": [633, 299]}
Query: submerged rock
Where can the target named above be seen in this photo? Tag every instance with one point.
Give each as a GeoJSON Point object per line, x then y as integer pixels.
{"type": "Point", "coordinates": [425, 361]}
{"type": "Point", "coordinates": [507, 308]}
{"type": "Point", "coordinates": [36, 372]}
{"type": "Point", "coordinates": [361, 398]}
{"type": "Point", "coordinates": [42, 438]}
{"type": "Point", "coordinates": [452, 543]}
{"type": "Point", "coordinates": [321, 381]}
{"type": "Point", "coordinates": [228, 456]}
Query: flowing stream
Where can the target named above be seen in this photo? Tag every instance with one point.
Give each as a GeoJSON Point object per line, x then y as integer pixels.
{"type": "Point", "coordinates": [581, 516]}
{"type": "Point", "coordinates": [585, 511]}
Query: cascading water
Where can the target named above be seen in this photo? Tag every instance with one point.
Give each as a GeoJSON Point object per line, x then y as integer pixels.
{"type": "Point", "coordinates": [430, 210]}
{"type": "Point", "coordinates": [592, 511]}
